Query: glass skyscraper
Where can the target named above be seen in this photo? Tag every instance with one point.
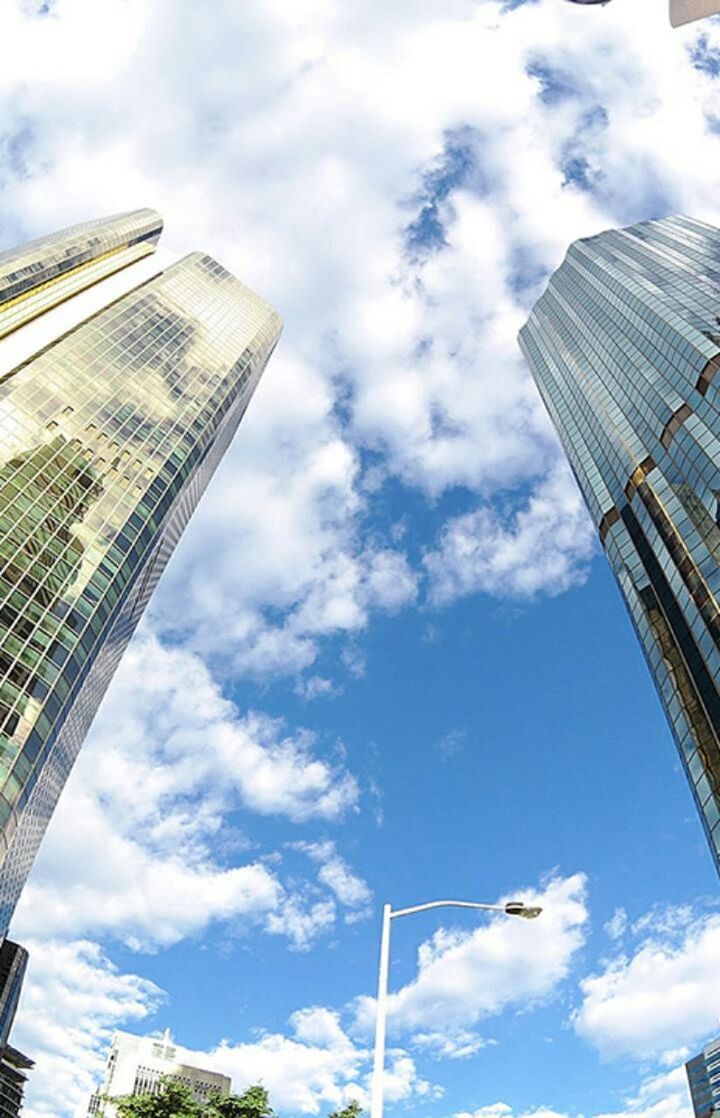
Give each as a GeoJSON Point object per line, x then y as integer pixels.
{"type": "Point", "coordinates": [703, 1074]}
{"type": "Point", "coordinates": [124, 373]}
{"type": "Point", "coordinates": [624, 345]}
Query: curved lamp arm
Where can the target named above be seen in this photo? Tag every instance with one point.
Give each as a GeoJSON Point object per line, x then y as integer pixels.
{"type": "Point", "coordinates": [512, 908]}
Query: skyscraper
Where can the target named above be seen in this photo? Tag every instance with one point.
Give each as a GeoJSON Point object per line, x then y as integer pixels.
{"type": "Point", "coordinates": [124, 373]}
{"type": "Point", "coordinates": [624, 345]}
{"type": "Point", "coordinates": [703, 1074]}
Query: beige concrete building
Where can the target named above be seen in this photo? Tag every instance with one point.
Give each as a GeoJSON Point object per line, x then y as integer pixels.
{"type": "Point", "coordinates": [137, 1065]}
{"type": "Point", "coordinates": [685, 11]}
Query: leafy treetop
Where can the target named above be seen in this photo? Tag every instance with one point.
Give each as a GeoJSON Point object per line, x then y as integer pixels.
{"type": "Point", "coordinates": [175, 1100]}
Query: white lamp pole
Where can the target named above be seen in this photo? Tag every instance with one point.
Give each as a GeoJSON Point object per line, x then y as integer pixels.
{"type": "Point", "coordinates": [512, 908]}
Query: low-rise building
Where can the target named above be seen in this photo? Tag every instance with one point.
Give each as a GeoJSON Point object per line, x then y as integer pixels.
{"type": "Point", "coordinates": [686, 11]}
{"type": "Point", "coordinates": [138, 1065]}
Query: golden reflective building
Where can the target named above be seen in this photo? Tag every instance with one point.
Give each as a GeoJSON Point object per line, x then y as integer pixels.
{"type": "Point", "coordinates": [123, 376]}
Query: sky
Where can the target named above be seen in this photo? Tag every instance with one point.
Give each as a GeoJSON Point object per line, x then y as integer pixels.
{"type": "Point", "coordinates": [387, 662]}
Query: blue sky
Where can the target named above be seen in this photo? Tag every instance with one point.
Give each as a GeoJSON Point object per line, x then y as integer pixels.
{"type": "Point", "coordinates": [387, 662]}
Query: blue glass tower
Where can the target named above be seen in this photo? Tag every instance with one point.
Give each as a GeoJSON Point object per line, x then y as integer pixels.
{"type": "Point", "coordinates": [625, 346]}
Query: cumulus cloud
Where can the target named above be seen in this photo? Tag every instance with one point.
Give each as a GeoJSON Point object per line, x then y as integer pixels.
{"type": "Point", "coordinates": [459, 1045]}
{"type": "Point", "coordinates": [409, 353]}
{"type": "Point", "coordinates": [135, 847]}
{"type": "Point", "coordinates": [502, 1110]}
{"type": "Point", "coordinates": [315, 687]}
{"type": "Point", "coordinates": [279, 532]}
{"type": "Point", "coordinates": [464, 977]}
{"type": "Point", "coordinates": [316, 1064]}
{"type": "Point", "coordinates": [617, 924]}
{"type": "Point", "coordinates": [73, 999]}
{"type": "Point", "coordinates": [659, 1096]}
{"type": "Point", "coordinates": [661, 996]}
{"type": "Point", "coordinates": [334, 872]}
{"type": "Point", "coordinates": [544, 547]}
{"type": "Point", "coordinates": [302, 921]}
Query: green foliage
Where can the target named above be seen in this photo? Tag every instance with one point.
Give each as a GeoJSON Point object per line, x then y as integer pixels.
{"type": "Point", "coordinates": [174, 1101]}
{"type": "Point", "coordinates": [253, 1103]}
{"type": "Point", "coordinates": [352, 1110]}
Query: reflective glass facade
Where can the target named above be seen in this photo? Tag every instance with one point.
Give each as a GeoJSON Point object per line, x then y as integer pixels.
{"type": "Point", "coordinates": [624, 346]}
{"type": "Point", "coordinates": [109, 433]}
{"type": "Point", "coordinates": [704, 1080]}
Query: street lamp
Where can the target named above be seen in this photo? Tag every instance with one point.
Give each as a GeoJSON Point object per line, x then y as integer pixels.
{"type": "Point", "coordinates": [681, 11]}
{"type": "Point", "coordinates": [512, 908]}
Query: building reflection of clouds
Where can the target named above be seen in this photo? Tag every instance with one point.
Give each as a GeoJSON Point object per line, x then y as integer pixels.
{"type": "Point", "coordinates": [109, 431]}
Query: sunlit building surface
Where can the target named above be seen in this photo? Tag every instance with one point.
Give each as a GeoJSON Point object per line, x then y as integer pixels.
{"type": "Point", "coordinates": [703, 1074]}
{"type": "Point", "coordinates": [124, 373]}
{"type": "Point", "coordinates": [624, 346]}
{"type": "Point", "coordinates": [139, 1065]}
{"type": "Point", "coordinates": [686, 11]}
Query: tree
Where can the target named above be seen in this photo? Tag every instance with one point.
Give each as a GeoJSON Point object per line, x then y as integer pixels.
{"type": "Point", "coordinates": [253, 1103]}
{"type": "Point", "coordinates": [174, 1101]}
{"type": "Point", "coordinates": [352, 1110]}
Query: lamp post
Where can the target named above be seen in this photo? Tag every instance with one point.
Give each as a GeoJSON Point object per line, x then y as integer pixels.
{"type": "Point", "coordinates": [512, 908]}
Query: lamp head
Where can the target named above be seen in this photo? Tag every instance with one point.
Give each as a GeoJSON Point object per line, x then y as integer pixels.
{"type": "Point", "coordinates": [519, 908]}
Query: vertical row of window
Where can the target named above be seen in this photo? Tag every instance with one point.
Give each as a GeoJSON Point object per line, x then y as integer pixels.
{"type": "Point", "coordinates": [85, 499]}
{"type": "Point", "coordinates": [620, 347]}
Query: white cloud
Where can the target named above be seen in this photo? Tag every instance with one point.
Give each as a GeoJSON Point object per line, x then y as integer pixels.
{"type": "Point", "coordinates": [284, 501]}
{"type": "Point", "coordinates": [617, 924]}
{"type": "Point", "coordinates": [659, 1096]}
{"type": "Point", "coordinates": [314, 687]}
{"type": "Point", "coordinates": [502, 1110]}
{"type": "Point", "coordinates": [464, 977]}
{"type": "Point", "coordinates": [300, 921]}
{"type": "Point", "coordinates": [457, 1046]}
{"type": "Point", "coordinates": [422, 356]}
{"type": "Point", "coordinates": [135, 846]}
{"type": "Point", "coordinates": [349, 889]}
{"type": "Point", "coordinates": [73, 1000]}
{"type": "Point", "coordinates": [662, 996]}
{"type": "Point", "coordinates": [545, 547]}
{"type": "Point", "coordinates": [316, 1064]}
